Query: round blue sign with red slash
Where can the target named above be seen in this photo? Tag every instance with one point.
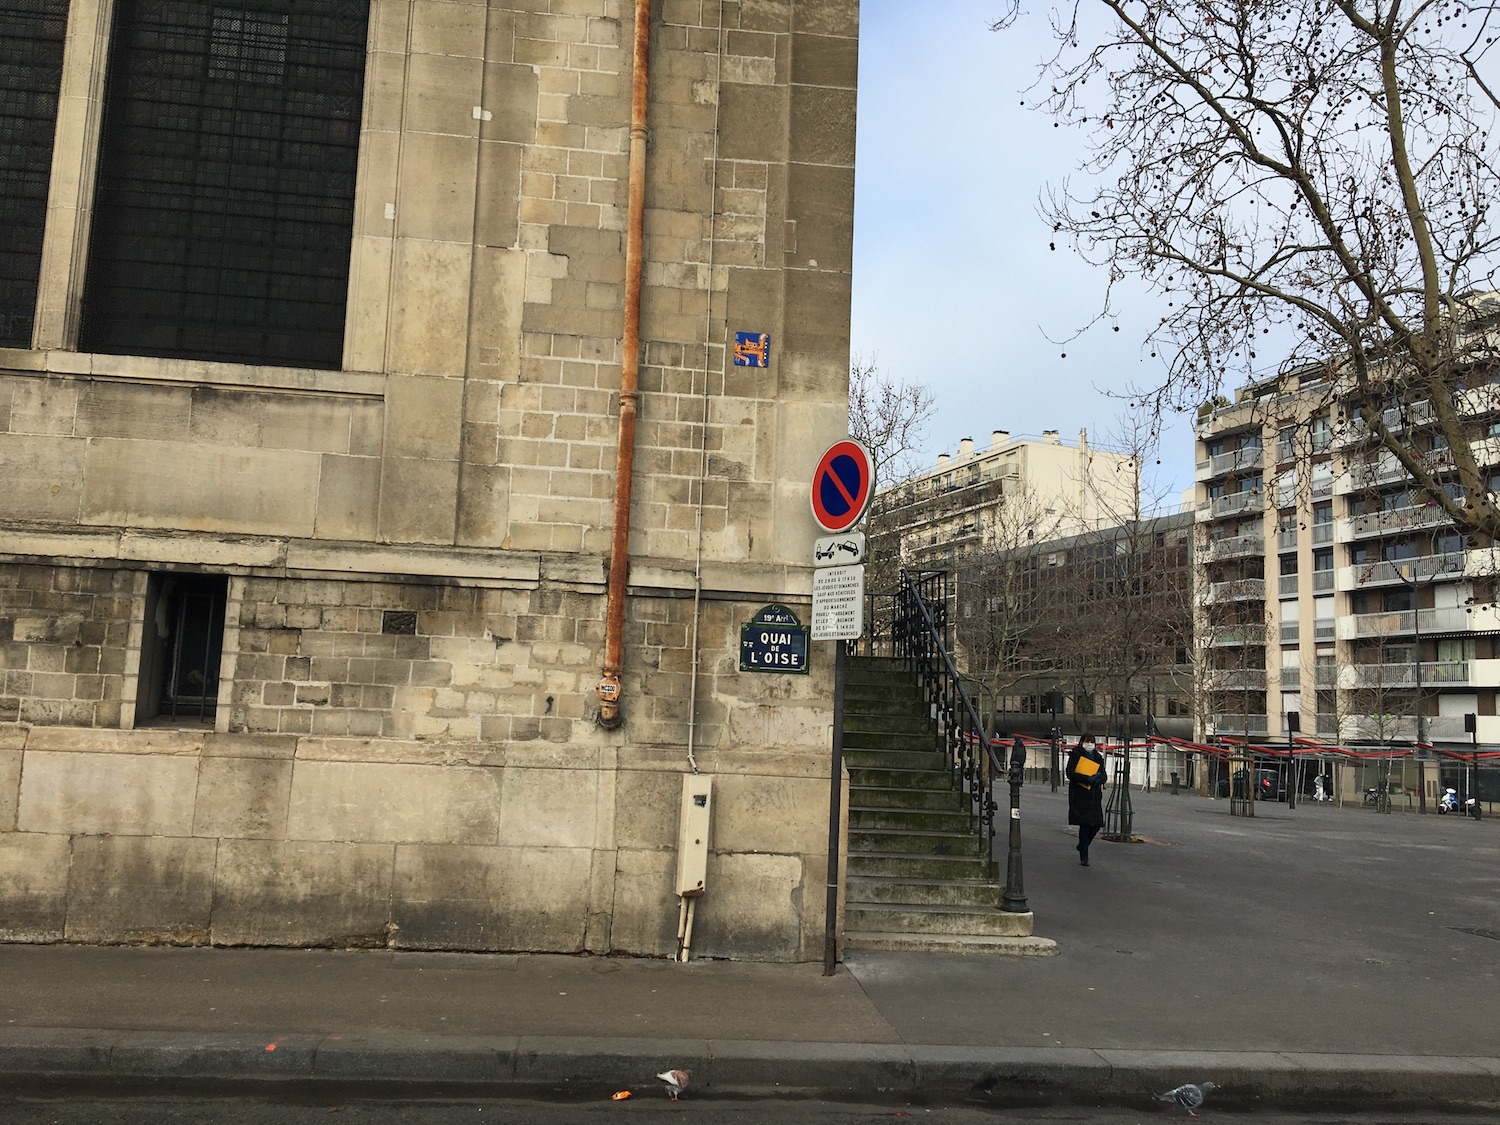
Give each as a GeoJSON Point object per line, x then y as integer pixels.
{"type": "Point", "coordinates": [842, 485]}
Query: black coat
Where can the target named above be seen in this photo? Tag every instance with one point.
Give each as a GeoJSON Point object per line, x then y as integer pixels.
{"type": "Point", "coordinates": [1085, 795]}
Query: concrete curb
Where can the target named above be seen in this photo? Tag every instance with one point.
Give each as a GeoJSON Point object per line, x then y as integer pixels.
{"type": "Point", "coordinates": [533, 1064]}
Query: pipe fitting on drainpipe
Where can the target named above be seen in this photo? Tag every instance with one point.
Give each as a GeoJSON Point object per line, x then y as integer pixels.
{"type": "Point", "coordinates": [610, 717]}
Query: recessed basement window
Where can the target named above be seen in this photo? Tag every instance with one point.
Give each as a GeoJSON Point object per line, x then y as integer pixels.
{"type": "Point", "coordinates": [398, 623]}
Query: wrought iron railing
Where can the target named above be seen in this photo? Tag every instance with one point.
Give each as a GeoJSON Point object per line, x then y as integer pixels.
{"type": "Point", "coordinates": [922, 640]}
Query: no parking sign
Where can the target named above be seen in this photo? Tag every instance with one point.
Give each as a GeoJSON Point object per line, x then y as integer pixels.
{"type": "Point", "coordinates": [842, 485]}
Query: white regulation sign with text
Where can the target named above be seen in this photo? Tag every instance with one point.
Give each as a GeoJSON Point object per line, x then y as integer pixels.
{"type": "Point", "coordinates": [838, 609]}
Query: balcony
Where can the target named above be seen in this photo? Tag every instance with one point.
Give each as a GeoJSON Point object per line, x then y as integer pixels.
{"type": "Point", "coordinates": [1387, 470]}
{"type": "Point", "coordinates": [1326, 725]}
{"type": "Point", "coordinates": [1286, 540]}
{"type": "Point", "coordinates": [1379, 728]}
{"type": "Point", "coordinates": [1397, 419]}
{"type": "Point", "coordinates": [1405, 674]}
{"type": "Point", "coordinates": [1450, 619]}
{"type": "Point", "coordinates": [1450, 728]}
{"type": "Point", "coordinates": [1235, 503]}
{"type": "Point", "coordinates": [1236, 679]}
{"type": "Point", "coordinates": [1243, 589]}
{"type": "Point", "coordinates": [1326, 675]}
{"type": "Point", "coordinates": [1246, 457]}
{"type": "Point", "coordinates": [1383, 573]}
{"type": "Point", "coordinates": [1240, 546]}
{"type": "Point", "coordinates": [1291, 632]}
{"type": "Point", "coordinates": [1322, 581]}
{"type": "Point", "coordinates": [1410, 518]}
{"type": "Point", "coordinates": [1286, 586]}
{"type": "Point", "coordinates": [1285, 451]}
{"type": "Point", "coordinates": [1229, 635]}
{"type": "Point", "coordinates": [1291, 679]}
{"type": "Point", "coordinates": [1326, 630]}
{"type": "Point", "coordinates": [1233, 724]}
{"type": "Point", "coordinates": [1322, 534]}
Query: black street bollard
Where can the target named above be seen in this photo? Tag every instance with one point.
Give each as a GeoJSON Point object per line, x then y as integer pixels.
{"type": "Point", "coordinates": [1174, 784]}
{"type": "Point", "coordinates": [1014, 899]}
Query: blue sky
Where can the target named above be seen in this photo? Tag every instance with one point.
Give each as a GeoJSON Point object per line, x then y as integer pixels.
{"type": "Point", "coordinates": [954, 284]}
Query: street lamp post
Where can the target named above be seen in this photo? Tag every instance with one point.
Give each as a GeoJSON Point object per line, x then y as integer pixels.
{"type": "Point", "coordinates": [1293, 725]}
{"type": "Point", "coordinates": [1054, 708]}
{"type": "Point", "coordinates": [1408, 578]}
{"type": "Point", "coordinates": [1471, 725]}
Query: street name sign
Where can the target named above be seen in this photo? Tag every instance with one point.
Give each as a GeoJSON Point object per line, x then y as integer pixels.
{"type": "Point", "coordinates": [838, 612]}
{"type": "Point", "coordinates": [774, 641]}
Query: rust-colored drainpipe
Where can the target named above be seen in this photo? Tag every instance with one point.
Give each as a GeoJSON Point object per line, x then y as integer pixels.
{"type": "Point", "coordinates": [619, 552]}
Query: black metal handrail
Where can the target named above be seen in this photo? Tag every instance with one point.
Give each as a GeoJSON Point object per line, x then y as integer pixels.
{"type": "Point", "coordinates": [920, 639]}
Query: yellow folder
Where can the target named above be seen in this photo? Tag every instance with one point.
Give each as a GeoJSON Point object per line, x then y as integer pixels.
{"type": "Point", "coordinates": [1086, 767]}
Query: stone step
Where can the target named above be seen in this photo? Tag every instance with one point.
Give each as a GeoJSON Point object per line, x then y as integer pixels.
{"type": "Point", "coordinates": [893, 889]}
{"type": "Point", "coordinates": [914, 725]}
{"type": "Point", "coordinates": [911, 842]}
{"type": "Point", "coordinates": [894, 758]}
{"type": "Point", "coordinates": [897, 918]}
{"type": "Point", "coordinates": [857, 739]}
{"type": "Point", "coordinates": [874, 941]}
{"type": "Point", "coordinates": [871, 776]}
{"type": "Point", "coordinates": [974, 868]}
{"type": "Point", "coordinates": [890, 797]}
{"type": "Point", "coordinates": [954, 820]}
{"type": "Point", "coordinates": [876, 700]}
{"type": "Point", "coordinates": [863, 669]}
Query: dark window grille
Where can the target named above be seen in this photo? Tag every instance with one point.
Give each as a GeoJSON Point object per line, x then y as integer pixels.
{"type": "Point", "coordinates": [225, 204]}
{"type": "Point", "coordinates": [399, 623]}
{"type": "Point", "coordinates": [31, 50]}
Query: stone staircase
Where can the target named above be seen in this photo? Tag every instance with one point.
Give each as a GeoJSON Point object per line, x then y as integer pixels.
{"type": "Point", "coordinates": [916, 877]}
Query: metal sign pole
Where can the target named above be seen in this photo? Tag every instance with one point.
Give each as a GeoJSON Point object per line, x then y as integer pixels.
{"type": "Point", "coordinates": [835, 812]}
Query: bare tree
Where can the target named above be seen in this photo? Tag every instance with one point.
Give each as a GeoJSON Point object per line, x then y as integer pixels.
{"type": "Point", "coordinates": [1116, 602]}
{"type": "Point", "coordinates": [1311, 177]}
{"type": "Point", "coordinates": [1000, 596]}
{"type": "Point", "coordinates": [889, 417]}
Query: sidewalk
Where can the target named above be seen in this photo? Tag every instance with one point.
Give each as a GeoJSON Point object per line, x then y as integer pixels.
{"type": "Point", "coordinates": [1291, 958]}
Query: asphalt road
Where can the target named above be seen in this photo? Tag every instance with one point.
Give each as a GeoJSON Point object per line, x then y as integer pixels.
{"type": "Point", "coordinates": [645, 1109]}
{"type": "Point", "coordinates": [1317, 929]}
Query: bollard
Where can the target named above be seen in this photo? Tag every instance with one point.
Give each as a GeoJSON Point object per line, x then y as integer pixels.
{"type": "Point", "coordinates": [1013, 899]}
{"type": "Point", "coordinates": [1174, 785]}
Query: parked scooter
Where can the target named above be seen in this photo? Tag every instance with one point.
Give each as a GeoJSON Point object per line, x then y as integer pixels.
{"type": "Point", "coordinates": [1448, 802]}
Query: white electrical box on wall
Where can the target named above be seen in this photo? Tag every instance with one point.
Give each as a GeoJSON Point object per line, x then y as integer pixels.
{"type": "Point", "coordinates": [692, 834]}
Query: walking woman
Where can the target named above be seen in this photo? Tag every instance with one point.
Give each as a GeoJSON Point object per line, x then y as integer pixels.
{"type": "Point", "coordinates": [1086, 776]}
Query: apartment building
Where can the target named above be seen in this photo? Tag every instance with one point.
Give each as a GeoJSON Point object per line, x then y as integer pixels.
{"type": "Point", "coordinates": [1329, 591]}
{"type": "Point", "coordinates": [368, 575]}
{"type": "Point", "coordinates": [1016, 490]}
{"type": "Point", "coordinates": [1092, 632]}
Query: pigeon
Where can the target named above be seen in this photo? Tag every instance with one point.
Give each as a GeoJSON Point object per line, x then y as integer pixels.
{"type": "Point", "coordinates": [1187, 1096]}
{"type": "Point", "coordinates": [677, 1081]}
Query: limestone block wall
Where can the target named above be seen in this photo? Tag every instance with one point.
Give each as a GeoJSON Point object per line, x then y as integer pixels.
{"type": "Point", "coordinates": [182, 837]}
{"type": "Point", "coordinates": [63, 637]}
{"type": "Point", "coordinates": [414, 546]}
{"type": "Point", "coordinates": [433, 788]}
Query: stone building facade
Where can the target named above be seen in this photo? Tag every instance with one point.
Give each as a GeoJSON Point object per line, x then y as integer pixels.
{"type": "Point", "coordinates": [310, 459]}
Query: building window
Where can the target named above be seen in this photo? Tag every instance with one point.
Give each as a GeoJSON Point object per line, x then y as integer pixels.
{"type": "Point", "coordinates": [31, 50]}
{"type": "Point", "coordinates": [181, 646]}
{"type": "Point", "coordinates": [224, 212]}
{"type": "Point", "coordinates": [1322, 434]}
{"type": "Point", "coordinates": [248, 46]}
